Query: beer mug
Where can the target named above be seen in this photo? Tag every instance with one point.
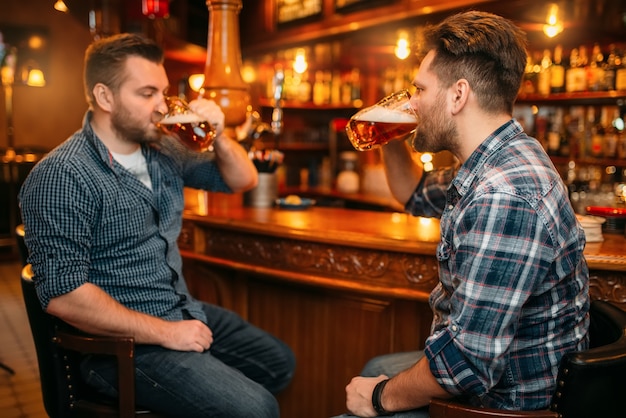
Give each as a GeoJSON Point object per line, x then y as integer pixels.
{"type": "Point", "coordinates": [391, 118]}
{"type": "Point", "coordinates": [188, 127]}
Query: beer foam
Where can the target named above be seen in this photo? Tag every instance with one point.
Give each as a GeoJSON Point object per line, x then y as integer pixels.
{"type": "Point", "coordinates": [182, 118]}
{"type": "Point", "coordinates": [383, 114]}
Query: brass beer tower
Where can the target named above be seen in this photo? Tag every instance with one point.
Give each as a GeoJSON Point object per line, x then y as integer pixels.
{"type": "Point", "coordinates": [222, 73]}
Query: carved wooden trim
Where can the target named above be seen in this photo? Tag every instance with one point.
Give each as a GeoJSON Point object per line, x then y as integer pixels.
{"type": "Point", "coordinates": [378, 267]}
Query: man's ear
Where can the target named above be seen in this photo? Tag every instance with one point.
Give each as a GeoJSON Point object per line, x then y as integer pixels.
{"type": "Point", "coordinates": [103, 96]}
{"type": "Point", "coordinates": [459, 94]}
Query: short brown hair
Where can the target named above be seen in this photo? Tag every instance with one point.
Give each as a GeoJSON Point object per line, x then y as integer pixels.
{"type": "Point", "coordinates": [487, 50]}
{"type": "Point", "coordinates": [105, 60]}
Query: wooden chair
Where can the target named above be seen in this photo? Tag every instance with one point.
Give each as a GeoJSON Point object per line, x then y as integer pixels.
{"type": "Point", "coordinates": [59, 349]}
{"type": "Point", "coordinates": [590, 383]}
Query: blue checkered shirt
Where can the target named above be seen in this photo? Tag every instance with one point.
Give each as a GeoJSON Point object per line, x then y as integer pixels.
{"type": "Point", "coordinates": [513, 291]}
{"type": "Point", "coordinates": [88, 219]}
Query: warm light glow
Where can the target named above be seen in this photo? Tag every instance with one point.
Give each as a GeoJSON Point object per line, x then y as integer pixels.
{"type": "Point", "coordinates": [300, 65]}
{"type": "Point", "coordinates": [35, 78]}
{"type": "Point", "coordinates": [61, 6]}
{"type": "Point", "coordinates": [426, 157]}
{"type": "Point", "coordinates": [402, 49]}
{"type": "Point", "coordinates": [196, 81]}
{"type": "Point", "coordinates": [35, 42]}
{"type": "Point", "coordinates": [554, 25]}
{"type": "Point", "coordinates": [248, 73]}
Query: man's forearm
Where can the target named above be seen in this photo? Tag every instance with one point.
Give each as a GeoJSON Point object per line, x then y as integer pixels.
{"type": "Point", "coordinates": [92, 310]}
{"type": "Point", "coordinates": [412, 388]}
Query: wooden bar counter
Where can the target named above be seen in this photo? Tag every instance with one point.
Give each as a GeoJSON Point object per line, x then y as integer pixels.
{"type": "Point", "coordinates": [338, 285]}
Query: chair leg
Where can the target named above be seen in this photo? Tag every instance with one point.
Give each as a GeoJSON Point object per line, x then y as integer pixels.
{"type": "Point", "coordinates": [7, 368]}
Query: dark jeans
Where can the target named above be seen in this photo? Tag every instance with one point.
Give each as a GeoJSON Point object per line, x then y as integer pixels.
{"type": "Point", "coordinates": [236, 377]}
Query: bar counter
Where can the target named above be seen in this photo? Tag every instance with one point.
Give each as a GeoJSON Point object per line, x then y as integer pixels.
{"type": "Point", "coordinates": [338, 285]}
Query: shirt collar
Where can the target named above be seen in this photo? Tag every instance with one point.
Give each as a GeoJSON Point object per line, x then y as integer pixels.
{"type": "Point", "coordinates": [481, 155]}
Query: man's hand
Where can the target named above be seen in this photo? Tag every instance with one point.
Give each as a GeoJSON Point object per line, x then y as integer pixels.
{"type": "Point", "coordinates": [210, 111]}
{"type": "Point", "coordinates": [359, 395]}
{"type": "Point", "coordinates": [187, 335]}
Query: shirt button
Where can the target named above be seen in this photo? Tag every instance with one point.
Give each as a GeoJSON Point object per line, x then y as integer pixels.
{"type": "Point", "coordinates": [450, 207]}
{"type": "Point", "coordinates": [454, 328]}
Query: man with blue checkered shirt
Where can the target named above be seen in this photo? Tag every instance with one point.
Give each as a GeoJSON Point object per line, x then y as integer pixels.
{"type": "Point", "coordinates": [102, 215]}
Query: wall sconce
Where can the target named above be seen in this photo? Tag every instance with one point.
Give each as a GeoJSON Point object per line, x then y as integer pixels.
{"type": "Point", "coordinates": [554, 25]}
{"type": "Point", "coordinates": [402, 49]}
{"type": "Point", "coordinates": [300, 65]}
{"type": "Point", "coordinates": [61, 6]}
{"type": "Point", "coordinates": [35, 78]}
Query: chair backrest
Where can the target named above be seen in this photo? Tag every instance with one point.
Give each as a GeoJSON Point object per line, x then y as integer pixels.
{"type": "Point", "coordinates": [58, 368]}
{"type": "Point", "coordinates": [591, 383]}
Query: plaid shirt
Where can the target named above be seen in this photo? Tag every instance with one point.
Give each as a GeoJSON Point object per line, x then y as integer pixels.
{"type": "Point", "coordinates": [513, 292]}
{"type": "Point", "coordinates": [88, 219]}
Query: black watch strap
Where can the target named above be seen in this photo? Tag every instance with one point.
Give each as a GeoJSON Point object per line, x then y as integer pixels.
{"type": "Point", "coordinates": [376, 396]}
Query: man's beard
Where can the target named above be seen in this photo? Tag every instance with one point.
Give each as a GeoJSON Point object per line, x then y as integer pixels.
{"type": "Point", "coordinates": [435, 133]}
{"type": "Point", "coordinates": [131, 130]}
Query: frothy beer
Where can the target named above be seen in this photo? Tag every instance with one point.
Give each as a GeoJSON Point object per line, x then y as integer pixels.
{"type": "Point", "coordinates": [190, 129]}
{"type": "Point", "coordinates": [379, 125]}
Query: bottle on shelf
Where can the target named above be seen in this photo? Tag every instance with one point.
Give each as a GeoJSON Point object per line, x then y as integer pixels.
{"type": "Point", "coordinates": [621, 138]}
{"type": "Point", "coordinates": [575, 76]}
{"type": "Point", "coordinates": [595, 133]}
{"type": "Point", "coordinates": [595, 70]}
{"type": "Point", "coordinates": [620, 72]}
{"type": "Point", "coordinates": [557, 72]}
{"type": "Point", "coordinates": [318, 88]}
{"type": "Point", "coordinates": [544, 77]}
{"type": "Point", "coordinates": [529, 81]}
{"type": "Point", "coordinates": [609, 149]}
{"type": "Point", "coordinates": [610, 68]}
{"type": "Point", "coordinates": [556, 137]}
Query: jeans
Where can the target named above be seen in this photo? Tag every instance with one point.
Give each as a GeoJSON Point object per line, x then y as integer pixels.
{"type": "Point", "coordinates": [236, 377]}
{"type": "Point", "coordinates": [391, 365]}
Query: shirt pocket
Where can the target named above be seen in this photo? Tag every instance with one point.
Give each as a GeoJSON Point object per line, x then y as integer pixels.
{"type": "Point", "coordinates": [124, 219]}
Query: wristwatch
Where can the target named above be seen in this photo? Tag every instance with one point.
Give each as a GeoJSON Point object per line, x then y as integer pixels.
{"type": "Point", "coordinates": [376, 395]}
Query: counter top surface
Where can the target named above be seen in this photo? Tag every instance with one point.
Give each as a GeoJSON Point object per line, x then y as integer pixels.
{"type": "Point", "coordinates": [383, 230]}
{"type": "Point", "coordinates": [366, 229]}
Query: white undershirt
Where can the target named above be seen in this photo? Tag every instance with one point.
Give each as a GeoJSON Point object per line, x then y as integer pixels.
{"type": "Point", "coordinates": [136, 164]}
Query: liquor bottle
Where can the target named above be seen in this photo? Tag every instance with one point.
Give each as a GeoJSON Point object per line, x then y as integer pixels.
{"type": "Point", "coordinates": [529, 82]}
{"type": "Point", "coordinates": [620, 72]}
{"type": "Point", "coordinates": [610, 132]}
{"type": "Point", "coordinates": [597, 134]}
{"type": "Point", "coordinates": [557, 72]}
{"type": "Point", "coordinates": [575, 77]}
{"type": "Point", "coordinates": [555, 133]}
{"type": "Point", "coordinates": [593, 134]}
{"type": "Point", "coordinates": [621, 137]}
{"type": "Point", "coordinates": [543, 79]}
{"type": "Point", "coordinates": [595, 70]}
{"type": "Point", "coordinates": [318, 88]}
{"type": "Point", "coordinates": [610, 68]}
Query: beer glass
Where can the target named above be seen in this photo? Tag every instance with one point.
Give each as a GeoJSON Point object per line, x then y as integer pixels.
{"type": "Point", "coordinates": [389, 119]}
{"type": "Point", "coordinates": [188, 127]}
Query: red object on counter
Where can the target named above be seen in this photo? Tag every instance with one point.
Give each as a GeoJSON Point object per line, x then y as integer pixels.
{"type": "Point", "coordinates": [606, 211]}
